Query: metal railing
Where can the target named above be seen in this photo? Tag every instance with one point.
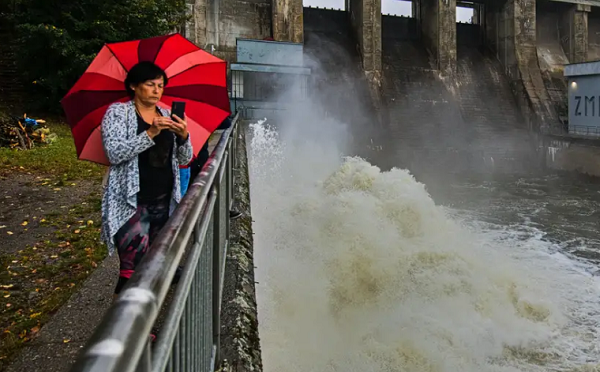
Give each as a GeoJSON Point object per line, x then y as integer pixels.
{"type": "Point", "coordinates": [189, 337]}
{"type": "Point", "coordinates": [265, 90]}
{"type": "Point", "coordinates": [584, 131]}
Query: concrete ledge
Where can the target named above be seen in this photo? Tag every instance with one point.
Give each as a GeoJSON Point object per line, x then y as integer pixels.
{"type": "Point", "coordinates": [240, 342]}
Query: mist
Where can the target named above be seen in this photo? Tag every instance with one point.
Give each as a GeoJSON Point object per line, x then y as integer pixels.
{"type": "Point", "coordinates": [358, 269]}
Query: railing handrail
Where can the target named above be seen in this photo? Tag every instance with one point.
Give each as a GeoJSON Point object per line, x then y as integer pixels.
{"type": "Point", "coordinates": [116, 345]}
{"type": "Point", "coordinates": [577, 130]}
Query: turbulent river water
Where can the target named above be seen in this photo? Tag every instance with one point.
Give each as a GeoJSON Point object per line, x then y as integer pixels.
{"type": "Point", "coordinates": [363, 270]}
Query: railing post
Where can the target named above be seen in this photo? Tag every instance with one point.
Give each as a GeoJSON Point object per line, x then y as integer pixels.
{"type": "Point", "coordinates": [190, 340]}
{"type": "Point", "coordinates": [216, 271]}
{"type": "Point", "coordinates": [145, 363]}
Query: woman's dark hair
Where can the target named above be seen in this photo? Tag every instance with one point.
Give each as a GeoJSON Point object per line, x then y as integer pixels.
{"type": "Point", "coordinates": [142, 72]}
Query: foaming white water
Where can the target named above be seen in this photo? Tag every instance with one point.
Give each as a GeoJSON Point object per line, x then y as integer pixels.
{"type": "Point", "coordinates": [359, 270]}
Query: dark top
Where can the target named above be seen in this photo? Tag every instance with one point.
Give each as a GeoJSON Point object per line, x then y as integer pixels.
{"type": "Point", "coordinates": [203, 155]}
{"type": "Point", "coordinates": [156, 168]}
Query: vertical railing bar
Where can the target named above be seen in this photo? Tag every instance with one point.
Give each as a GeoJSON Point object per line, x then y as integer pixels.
{"type": "Point", "coordinates": [188, 336]}
{"type": "Point", "coordinates": [192, 313]}
{"type": "Point", "coordinates": [199, 270]}
{"type": "Point", "coordinates": [170, 364]}
{"type": "Point", "coordinates": [182, 344]}
{"type": "Point", "coordinates": [176, 352]}
{"type": "Point", "coordinates": [209, 292]}
{"type": "Point", "coordinates": [197, 307]}
{"type": "Point", "coordinates": [145, 362]}
{"type": "Point", "coordinates": [198, 293]}
{"type": "Point", "coordinates": [216, 282]}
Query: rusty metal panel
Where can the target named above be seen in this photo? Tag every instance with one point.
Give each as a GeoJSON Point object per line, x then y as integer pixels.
{"type": "Point", "coordinates": [269, 52]}
{"type": "Point", "coordinates": [580, 69]}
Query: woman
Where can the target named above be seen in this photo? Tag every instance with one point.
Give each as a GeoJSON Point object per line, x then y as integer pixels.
{"type": "Point", "coordinates": [145, 147]}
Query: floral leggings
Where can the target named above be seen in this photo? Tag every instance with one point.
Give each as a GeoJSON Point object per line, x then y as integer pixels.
{"type": "Point", "coordinates": [135, 237]}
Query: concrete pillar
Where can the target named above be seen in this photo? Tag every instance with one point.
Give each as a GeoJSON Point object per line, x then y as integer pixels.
{"type": "Point", "coordinates": [415, 9]}
{"type": "Point", "coordinates": [365, 18]}
{"type": "Point", "coordinates": [477, 14]}
{"type": "Point", "coordinates": [574, 33]}
{"type": "Point", "coordinates": [511, 32]}
{"type": "Point", "coordinates": [438, 26]}
{"type": "Point", "coordinates": [288, 23]}
{"type": "Point", "coordinates": [206, 22]}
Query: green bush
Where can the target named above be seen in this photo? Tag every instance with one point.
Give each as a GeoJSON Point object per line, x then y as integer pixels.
{"type": "Point", "coordinates": [58, 39]}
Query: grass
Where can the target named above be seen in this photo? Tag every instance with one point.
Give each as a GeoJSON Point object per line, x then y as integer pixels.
{"type": "Point", "coordinates": [58, 159]}
{"type": "Point", "coordinates": [37, 280]}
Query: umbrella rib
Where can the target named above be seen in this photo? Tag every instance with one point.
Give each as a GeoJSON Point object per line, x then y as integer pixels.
{"type": "Point", "coordinates": [157, 50]}
{"type": "Point", "coordinates": [194, 66]}
{"type": "Point", "coordinates": [183, 55]}
{"type": "Point", "coordinates": [118, 60]}
{"type": "Point", "coordinates": [102, 90]}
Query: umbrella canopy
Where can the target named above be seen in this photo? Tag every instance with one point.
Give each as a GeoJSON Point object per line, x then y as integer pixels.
{"type": "Point", "coordinates": [195, 77]}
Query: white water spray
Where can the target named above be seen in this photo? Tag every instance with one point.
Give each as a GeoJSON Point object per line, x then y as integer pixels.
{"type": "Point", "coordinates": [359, 270]}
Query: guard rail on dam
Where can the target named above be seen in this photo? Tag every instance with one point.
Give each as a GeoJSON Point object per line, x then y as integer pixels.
{"type": "Point", "coordinates": [209, 313]}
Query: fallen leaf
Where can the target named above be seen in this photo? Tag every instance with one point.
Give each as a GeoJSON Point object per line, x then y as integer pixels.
{"type": "Point", "coordinates": [6, 286]}
{"type": "Point", "coordinates": [35, 315]}
{"type": "Point", "coordinates": [24, 223]}
{"type": "Point", "coordinates": [54, 256]}
{"type": "Point", "coordinates": [34, 330]}
{"type": "Point", "coordinates": [8, 305]}
{"type": "Point", "coordinates": [43, 220]}
{"type": "Point", "coordinates": [6, 296]}
{"type": "Point", "coordinates": [9, 232]}
{"type": "Point", "coordinates": [66, 341]}
{"type": "Point", "coordinates": [57, 189]}
{"type": "Point", "coordinates": [94, 265]}
{"type": "Point", "coordinates": [77, 231]}
{"type": "Point", "coordinates": [90, 223]}
{"type": "Point", "coordinates": [3, 227]}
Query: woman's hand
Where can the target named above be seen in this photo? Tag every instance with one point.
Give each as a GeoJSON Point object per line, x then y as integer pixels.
{"type": "Point", "coordinates": [158, 124]}
{"type": "Point", "coordinates": [179, 126]}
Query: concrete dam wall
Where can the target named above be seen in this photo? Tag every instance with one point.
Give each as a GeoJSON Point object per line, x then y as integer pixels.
{"type": "Point", "coordinates": [478, 96]}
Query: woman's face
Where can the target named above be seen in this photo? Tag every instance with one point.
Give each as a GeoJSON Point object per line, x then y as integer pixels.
{"type": "Point", "coordinates": [150, 91]}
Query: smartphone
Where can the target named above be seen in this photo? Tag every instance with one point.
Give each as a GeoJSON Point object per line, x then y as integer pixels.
{"type": "Point", "coordinates": [178, 108]}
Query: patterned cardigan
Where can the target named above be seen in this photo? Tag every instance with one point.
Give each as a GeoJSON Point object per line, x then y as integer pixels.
{"type": "Point", "coordinates": [122, 145]}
